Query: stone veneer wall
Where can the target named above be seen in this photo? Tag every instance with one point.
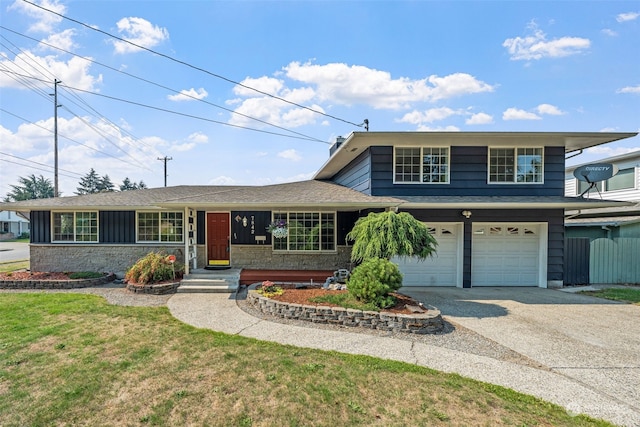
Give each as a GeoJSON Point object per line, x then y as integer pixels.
{"type": "Point", "coordinates": [100, 258]}
{"type": "Point", "coordinates": [264, 257]}
{"type": "Point", "coordinates": [420, 323]}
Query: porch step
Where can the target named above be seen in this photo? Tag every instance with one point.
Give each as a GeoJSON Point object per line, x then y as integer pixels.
{"type": "Point", "coordinates": [210, 281]}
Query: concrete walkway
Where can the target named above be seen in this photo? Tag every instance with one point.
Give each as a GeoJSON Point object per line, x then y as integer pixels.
{"type": "Point", "coordinates": [591, 346]}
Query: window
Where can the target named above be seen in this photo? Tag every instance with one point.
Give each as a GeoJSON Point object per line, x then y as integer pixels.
{"type": "Point", "coordinates": [623, 180]}
{"type": "Point", "coordinates": [421, 165]}
{"type": "Point", "coordinates": [308, 231]}
{"type": "Point", "coordinates": [75, 226]}
{"type": "Point", "coordinates": [160, 227]}
{"type": "Point", "coordinates": [519, 165]}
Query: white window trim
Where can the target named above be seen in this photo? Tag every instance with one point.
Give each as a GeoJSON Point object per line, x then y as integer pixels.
{"type": "Point", "coordinates": [421, 148]}
{"type": "Point", "coordinates": [160, 242]}
{"type": "Point", "coordinates": [297, 251]}
{"type": "Point", "coordinates": [74, 241]}
{"type": "Point", "coordinates": [515, 166]}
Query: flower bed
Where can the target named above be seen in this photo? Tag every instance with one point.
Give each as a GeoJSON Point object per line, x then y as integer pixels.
{"type": "Point", "coordinates": [428, 322]}
{"type": "Point", "coordinates": [40, 281]}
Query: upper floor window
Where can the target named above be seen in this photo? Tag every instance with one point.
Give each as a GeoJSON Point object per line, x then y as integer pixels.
{"type": "Point", "coordinates": [160, 227]}
{"type": "Point", "coordinates": [75, 226]}
{"type": "Point", "coordinates": [625, 179]}
{"type": "Point", "coordinates": [515, 165]}
{"type": "Point", "coordinates": [421, 165]}
{"type": "Point", "coordinates": [307, 231]}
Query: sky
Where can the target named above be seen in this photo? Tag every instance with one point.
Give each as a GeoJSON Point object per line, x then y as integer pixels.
{"type": "Point", "coordinates": [255, 92]}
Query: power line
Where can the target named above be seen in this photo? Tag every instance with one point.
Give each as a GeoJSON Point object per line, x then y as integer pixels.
{"type": "Point", "coordinates": [167, 88]}
{"type": "Point", "coordinates": [37, 163]}
{"type": "Point", "coordinates": [36, 168]}
{"type": "Point", "coordinates": [191, 66]}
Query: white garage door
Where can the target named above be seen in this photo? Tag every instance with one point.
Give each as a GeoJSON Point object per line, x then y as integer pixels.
{"type": "Point", "coordinates": [444, 268]}
{"type": "Point", "coordinates": [505, 255]}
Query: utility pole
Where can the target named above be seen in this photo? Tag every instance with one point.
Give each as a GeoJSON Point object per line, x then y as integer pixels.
{"type": "Point", "coordinates": [55, 136]}
{"type": "Point", "coordinates": [165, 159]}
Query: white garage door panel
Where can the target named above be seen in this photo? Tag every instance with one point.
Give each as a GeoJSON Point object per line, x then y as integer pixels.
{"type": "Point", "coordinates": [505, 255]}
{"type": "Point", "coordinates": [443, 268]}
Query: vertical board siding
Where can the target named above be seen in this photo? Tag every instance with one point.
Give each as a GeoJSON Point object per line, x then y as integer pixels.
{"type": "Point", "coordinates": [615, 261]}
{"type": "Point", "coordinates": [468, 176]}
{"type": "Point", "coordinates": [576, 261]}
{"type": "Point", "coordinates": [201, 228]}
{"type": "Point", "coordinates": [40, 223]}
{"type": "Point", "coordinates": [117, 226]}
{"type": "Point", "coordinates": [357, 174]}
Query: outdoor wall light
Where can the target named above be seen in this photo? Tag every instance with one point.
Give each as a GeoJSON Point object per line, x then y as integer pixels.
{"type": "Point", "coordinates": [466, 214]}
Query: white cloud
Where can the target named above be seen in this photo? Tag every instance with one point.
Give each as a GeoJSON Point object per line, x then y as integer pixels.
{"type": "Point", "coordinates": [264, 84]}
{"type": "Point", "coordinates": [549, 109]}
{"type": "Point", "coordinates": [517, 114]}
{"type": "Point", "coordinates": [536, 46]}
{"type": "Point", "coordinates": [479, 119]}
{"type": "Point", "coordinates": [629, 89]}
{"type": "Point", "coordinates": [189, 95]}
{"type": "Point", "coordinates": [290, 154]}
{"type": "Point", "coordinates": [63, 40]}
{"type": "Point", "coordinates": [604, 151]}
{"type": "Point", "coordinates": [45, 21]}
{"type": "Point", "coordinates": [629, 16]}
{"type": "Point", "coordinates": [74, 73]}
{"type": "Point", "coordinates": [609, 32]}
{"type": "Point", "coordinates": [438, 129]}
{"type": "Point", "coordinates": [356, 84]}
{"type": "Point", "coordinates": [138, 31]}
{"type": "Point", "coordinates": [192, 140]}
{"type": "Point", "coordinates": [428, 116]}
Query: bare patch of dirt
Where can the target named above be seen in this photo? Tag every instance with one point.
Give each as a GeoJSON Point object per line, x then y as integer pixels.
{"type": "Point", "coordinates": [303, 296]}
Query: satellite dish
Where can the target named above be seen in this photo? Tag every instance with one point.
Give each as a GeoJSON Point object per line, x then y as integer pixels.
{"type": "Point", "coordinates": [595, 172]}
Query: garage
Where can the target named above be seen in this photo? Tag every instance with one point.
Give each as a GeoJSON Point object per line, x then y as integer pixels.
{"type": "Point", "coordinates": [506, 254]}
{"type": "Point", "coordinates": [444, 268]}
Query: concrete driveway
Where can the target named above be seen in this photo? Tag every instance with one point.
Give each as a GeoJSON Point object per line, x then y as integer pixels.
{"type": "Point", "coordinates": [593, 342]}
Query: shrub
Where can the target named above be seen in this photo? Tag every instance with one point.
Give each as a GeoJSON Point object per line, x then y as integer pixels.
{"type": "Point", "coordinates": [373, 280]}
{"type": "Point", "coordinates": [153, 268]}
{"type": "Point", "coordinates": [85, 275]}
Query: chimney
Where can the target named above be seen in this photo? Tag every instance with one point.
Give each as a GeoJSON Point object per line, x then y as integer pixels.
{"type": "Point", "coordinates": [336, 145]}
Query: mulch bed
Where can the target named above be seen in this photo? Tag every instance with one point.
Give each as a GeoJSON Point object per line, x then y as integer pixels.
{"type": "Point", "coordinates": [34, 275]}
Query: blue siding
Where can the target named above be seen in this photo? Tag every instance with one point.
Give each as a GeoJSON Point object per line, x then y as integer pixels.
{"type": "Point", "coordinates": [117, 226]}
{"type": "Point", "coordinates": [357, 174]}
{"type": "Point", "coordinates": [468, 176]}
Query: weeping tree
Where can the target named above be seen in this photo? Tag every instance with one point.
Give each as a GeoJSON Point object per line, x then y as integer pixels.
{"type": "Point", "coordinates": [378, 237]}
{"type": "Point", "coordinates": [388, 234]}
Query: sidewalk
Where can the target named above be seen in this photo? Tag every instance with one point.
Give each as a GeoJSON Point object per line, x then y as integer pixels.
{"type": "Point", "coordinates": [220, 312]}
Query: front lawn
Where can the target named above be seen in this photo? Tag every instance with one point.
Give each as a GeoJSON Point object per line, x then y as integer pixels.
{"type": "Point", "coordinates": [71, 359]}
{"type": "Point", "coordinates": [631, 294]}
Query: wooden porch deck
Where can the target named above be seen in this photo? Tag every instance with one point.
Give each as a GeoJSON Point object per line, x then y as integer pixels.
{"type": "Point", "coordinates": [248, 276]}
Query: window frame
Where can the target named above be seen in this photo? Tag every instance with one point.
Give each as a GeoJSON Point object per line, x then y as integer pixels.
{"type": "Point", "coordinates": [159, 225]}
{"type": "Point", "coordinates": [421, 165]}
{"type": "Point", "coordinates": [515, 181]}
{"type": "Point", "coordinates": [55, 237]}
{"type": "Point", "coordinates": [276, 215]}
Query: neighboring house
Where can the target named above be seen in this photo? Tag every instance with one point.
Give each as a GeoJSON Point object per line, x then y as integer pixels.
{"type": "Point", "coordinates": [603, 244]}
{"type": "Point", "coordinates": [494, 201]}
{"type": "Point", "coordinates": [11, 223]}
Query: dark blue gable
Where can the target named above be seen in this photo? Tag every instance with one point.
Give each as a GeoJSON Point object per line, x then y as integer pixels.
{"type": "Point", "coordinates": [468, 175]}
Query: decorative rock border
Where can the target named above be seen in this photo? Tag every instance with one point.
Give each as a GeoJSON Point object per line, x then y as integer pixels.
{"type": "Point", "coordinates": [56, 284]}
{"type": "Point", "coordinates": [154, 289]}
{"type": "Point", "coordinates": [420, 323]}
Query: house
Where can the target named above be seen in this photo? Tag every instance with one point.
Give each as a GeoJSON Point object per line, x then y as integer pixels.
{"type": "Point", "coordinates": [603, 244]}
{"type": "Point", "coordinates": [12, 224]}
{"type": "Point", "coordinates": [494, 201]}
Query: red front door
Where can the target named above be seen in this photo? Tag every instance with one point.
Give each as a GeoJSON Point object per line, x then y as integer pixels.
{"type": "Point", "coordinates": [218, 229]}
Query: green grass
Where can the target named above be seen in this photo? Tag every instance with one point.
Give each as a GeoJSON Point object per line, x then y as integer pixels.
{"type": "Point", "coordinates": [631, 295]}
{"type": "Point", "coordinates": [71, 359]}
{"type": "Point", "coordinates": [25, 240]}
{"type": "Point", "coordinates": [6, 267]}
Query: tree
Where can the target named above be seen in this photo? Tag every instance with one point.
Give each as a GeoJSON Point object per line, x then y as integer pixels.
{"type": "Point", "coordinates": [89, 184]}
{"type": "Point", "coordinates": [128, 185]}
{"type": "Point", "coordinates": [388, 234]}
{"type": "Point", "coordinates": [31, 187]}
{"type": "Point", "coordinates": [105, 185]}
